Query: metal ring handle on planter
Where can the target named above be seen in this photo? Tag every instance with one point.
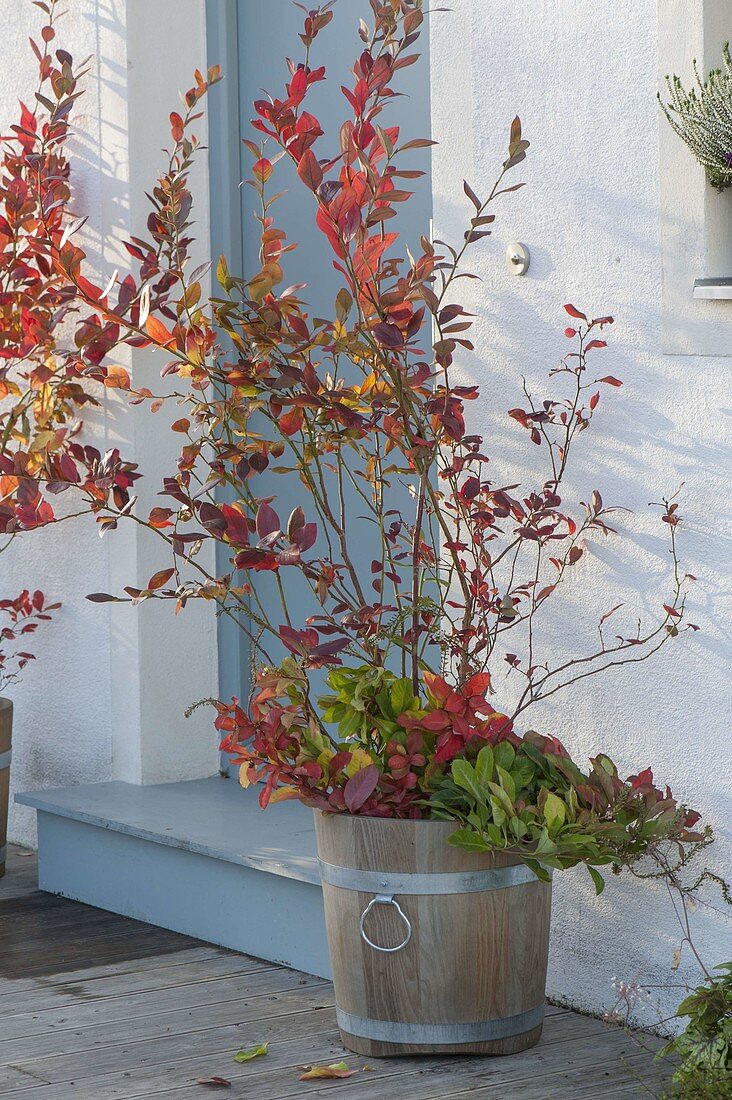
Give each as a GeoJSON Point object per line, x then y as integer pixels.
{"type": "Point", "coordinates": [385, 899]}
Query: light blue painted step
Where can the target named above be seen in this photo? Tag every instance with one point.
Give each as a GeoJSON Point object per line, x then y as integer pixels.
{"type": "Point", "coordinates": [199, 857]}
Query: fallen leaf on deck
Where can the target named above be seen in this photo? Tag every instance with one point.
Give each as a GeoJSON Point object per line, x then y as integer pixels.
{"type": "Point", "coordinates": [214, 1082]}
{"type": "Point", "coordinates": [253, 1052]}
{"type": "Point", "coordinates": [333, 1072]}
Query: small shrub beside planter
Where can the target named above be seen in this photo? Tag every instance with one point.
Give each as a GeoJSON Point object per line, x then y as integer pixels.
{"type": "Point", "coordinates": [440, 815]}
{"type": "Point", "coordinates": [22, 616]}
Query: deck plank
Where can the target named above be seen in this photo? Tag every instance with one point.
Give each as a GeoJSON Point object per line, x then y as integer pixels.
{"type": "Point", "coordinates": [125, 1011]}
{"type": "Point", "coordinates": [277, 1075]}
{"type": "Point", "coordinates": [143, 970]}
{"type": "Point", "coordinates": [75, 991]}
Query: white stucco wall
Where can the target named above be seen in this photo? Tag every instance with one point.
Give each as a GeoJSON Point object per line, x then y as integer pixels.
{"type": "Point", "coordinates": [106, 695]}
{"type": "Point", "coordinates": [583, 78]}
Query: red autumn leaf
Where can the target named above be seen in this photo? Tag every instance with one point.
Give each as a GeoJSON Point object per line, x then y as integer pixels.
{"type": "Point", "coordinates": [291, 422]}
{"type": "Point", "coordinates": [181, 425]}
{"type": "Point", "coordinates": [159, 579]}
{"type": "Point", "coordinates": [435, 720]}
{"type": "Point", "coordinates": [574, 312]}
{"type": "Point", "coordinates": [671, 611]}
{"type": "Point", "coordinates": [595, 344]}
{"type": "Point", "coordinates": [159, 518]}
{"type": "Point", "coordinates": [117, 378]}
{"type": "Point", "coordinates": [610, 380]}
{"type": "Point", "coordinates": [437, 687]}
{"type": "Point", "coordinates": [570, 332]}
{"type": "Point", "coordinates": [309, 170]}
{"type": "Point", "coordinates": [479, 684]}
{"type": "Point", "coordinates": [157, 331]}
{"type": "Point", "coordinates": [236, 525]}
{"type": "Point", "coordinates": [360, 787]}
{"type": "Point", "coordinates": [262, 169]}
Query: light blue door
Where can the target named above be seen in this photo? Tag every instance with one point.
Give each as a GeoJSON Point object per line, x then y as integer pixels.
{"type": "Point", "coordinates": [251, 39]}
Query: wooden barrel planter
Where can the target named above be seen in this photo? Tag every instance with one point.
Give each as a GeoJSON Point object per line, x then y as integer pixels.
{"type": "Point", "coordinates": [6, 731]}
{"type": "Point", "coordinates": [434, 949]}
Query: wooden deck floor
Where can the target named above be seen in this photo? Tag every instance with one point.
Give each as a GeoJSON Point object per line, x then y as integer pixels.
{"type": "Point", "coordinates": [94, 1007]}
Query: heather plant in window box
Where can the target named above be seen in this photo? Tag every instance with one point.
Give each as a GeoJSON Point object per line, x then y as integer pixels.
{"type": "Point", "coordinates": [440, 813]}
{"type": "Point", "coordinates": [702, 117]}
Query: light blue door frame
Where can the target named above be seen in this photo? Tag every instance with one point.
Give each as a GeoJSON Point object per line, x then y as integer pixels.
{"type": "Point", "coordinates": [251, 40]}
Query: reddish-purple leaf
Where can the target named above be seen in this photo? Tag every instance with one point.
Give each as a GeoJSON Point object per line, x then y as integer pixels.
{"type": "Point", "coordinates": [305, 536]}
{"type": "Point", "coordinates": [268, 522]}
{"type": "Point", "coordinates": [389, 335]}
{"type": "Point", "coordinates": [360, 787]}
{"type": "Point", "coordinates": [295, 522]}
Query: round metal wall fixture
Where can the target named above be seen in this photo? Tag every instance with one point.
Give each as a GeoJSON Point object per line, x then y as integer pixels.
{"type": "Point", "coordinates": [518, 258]}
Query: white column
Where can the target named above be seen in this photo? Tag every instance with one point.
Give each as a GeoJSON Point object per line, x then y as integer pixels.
{"type": "Point", "coordinates": [160, 662]}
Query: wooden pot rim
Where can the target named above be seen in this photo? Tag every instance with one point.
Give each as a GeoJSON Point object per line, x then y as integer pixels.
{"type": "Point", "coordinates": [388, 821]}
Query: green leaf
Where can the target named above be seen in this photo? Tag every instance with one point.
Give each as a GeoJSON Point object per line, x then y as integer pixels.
{"type": "Point", "coordinates": [484, 765]}
{"type": "Point", "coordinates": [541, 872]}
{"type": "Point", "coordinates": [597, 878]}
{"type": "Point", "coordinates": [545, 846]}
{"type": "Point", "coordinates": [503, 800]}
{"type": "Point", "coordinates": [402, 696]}
{"type": "Point", "coordinates": [555, 812]}
{"type": "Point", "coordinates": [222, 274]}
{"type": "Point", "coordinates": [522, 772]}
{"type": "Point", "coordinates": [499, 814]}
{"type": "Point", "coordinates": [344, 301]}
{"type": "Point", "coordinates": [252, 1052]}
{"type": "Point", "coordinates": [504, 755]}
{"type": "Point", "coordinates": [507, 783]}
{"type": "Point", "coordinates": [464, 775]}
{"type": "Point", "coordinates": [469, 840]}
{"type": "Point", "coordinates": [350, 724]}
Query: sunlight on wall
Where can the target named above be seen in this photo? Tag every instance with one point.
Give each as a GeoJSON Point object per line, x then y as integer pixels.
{"type": "Point", "coordinates": [585, 88]}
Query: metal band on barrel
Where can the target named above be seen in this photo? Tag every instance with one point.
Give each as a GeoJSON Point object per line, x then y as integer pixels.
{"type": "Point", "coordinates": [453, 882]}
{"type": "Point", "coordinates": [482, 1031]}
{"type": "Point", "coordinates": [5, 759]}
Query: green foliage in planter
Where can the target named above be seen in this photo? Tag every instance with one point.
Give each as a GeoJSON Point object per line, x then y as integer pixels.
{"type": "Point", "coordinates": [531, 800]}
{"type": "Point", "coordinates": [705, 1046]}
{"type": "Point", "coordinates": [702, 117]}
